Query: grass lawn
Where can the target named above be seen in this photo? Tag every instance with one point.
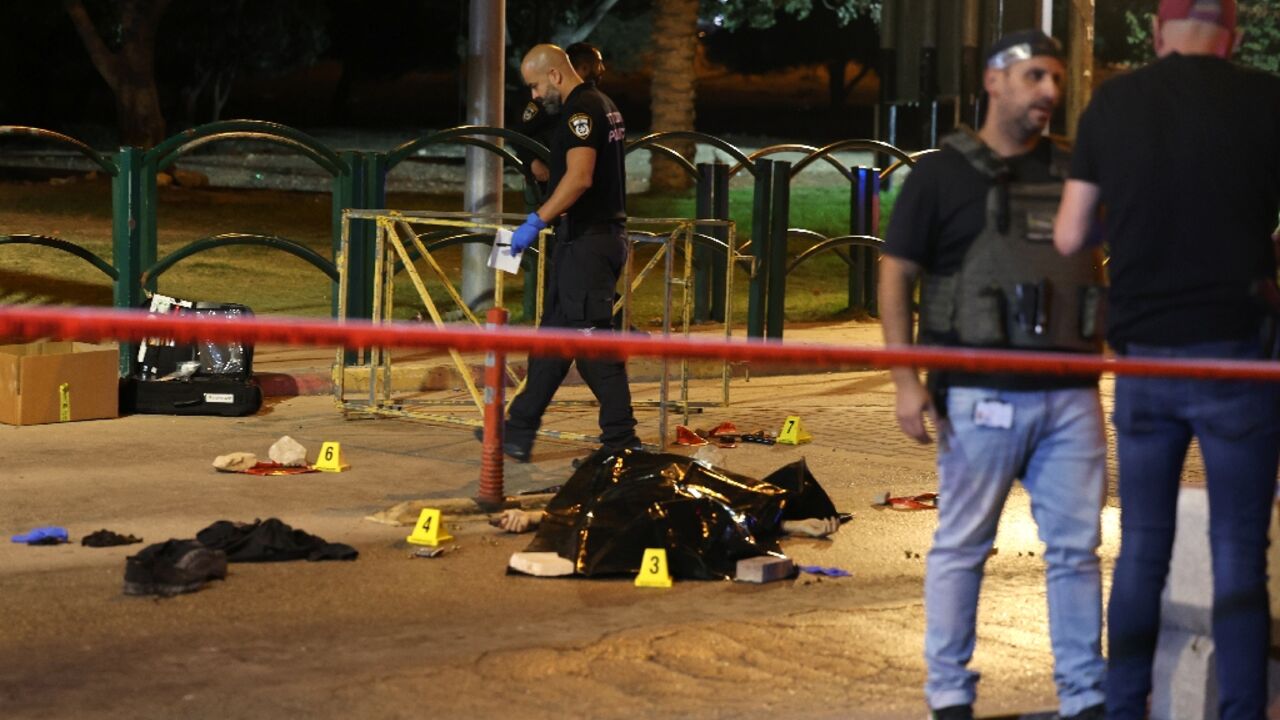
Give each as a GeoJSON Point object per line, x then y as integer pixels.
{"type": "Point", "coordinates": [272, 282]}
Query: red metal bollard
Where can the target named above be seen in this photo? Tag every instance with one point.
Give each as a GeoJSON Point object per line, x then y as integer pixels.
{"type": "Point", "coordinates": [491, 496]}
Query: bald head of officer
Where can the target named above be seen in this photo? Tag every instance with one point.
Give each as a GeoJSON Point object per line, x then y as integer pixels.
{"type": "Point", "coordinates": [549, 75]}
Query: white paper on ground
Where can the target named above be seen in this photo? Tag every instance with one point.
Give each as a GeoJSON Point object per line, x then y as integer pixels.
{"type": "Point", "coordinates": [500, 257]}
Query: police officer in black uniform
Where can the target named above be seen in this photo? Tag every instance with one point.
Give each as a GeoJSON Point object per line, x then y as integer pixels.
{"type": "Point", "coordinates": [588, 206]}
{"type": "Point", "coordinates": [535, 122]}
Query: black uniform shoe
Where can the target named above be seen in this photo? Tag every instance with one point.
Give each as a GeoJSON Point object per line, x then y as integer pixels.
{"type": "Point", "coordinates": [1093, 712]}
{"type": "Point", "coordinates": [172, 568]}
{"type": "Point", "coordinates": [953, 712]}
{"type": "Point", "coordinates": [513, 450]}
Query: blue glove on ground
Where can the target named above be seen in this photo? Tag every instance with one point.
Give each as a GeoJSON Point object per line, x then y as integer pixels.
{"type": "Point", "coordinates": [42, 536]}
{"type": "Point", "coordinates": [526, 234]}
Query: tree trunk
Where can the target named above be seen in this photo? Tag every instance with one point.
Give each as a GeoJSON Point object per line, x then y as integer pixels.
{"type": "Point", "coordinates": [835, 82]}
{"type": "Point", "coordinates": [130, 71]}
{"type": "Point", "coordinates": [672, 91]}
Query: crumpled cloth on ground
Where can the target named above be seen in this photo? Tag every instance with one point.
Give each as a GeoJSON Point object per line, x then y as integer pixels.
{"type": "Point", "coordinates": [48, 535]}
{"type": "Point", "coordinates": [270, 540]}
{"type": "Point", "coordinates": [106, 538]}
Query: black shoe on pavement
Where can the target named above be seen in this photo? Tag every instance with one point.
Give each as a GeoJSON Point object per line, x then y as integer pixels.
{"type": "Point", "coordinates": [1093, 712]}
{"type": "Point", "coordinates": [172, 568]}
{"type": "Point", "coordinates": [953, 712]}
{"type": "Point", "coordinates": [515, 451]}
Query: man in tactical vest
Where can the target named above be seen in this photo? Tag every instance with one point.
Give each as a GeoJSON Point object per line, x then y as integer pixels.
{"type": "Point", "coordinates": [974, 224]}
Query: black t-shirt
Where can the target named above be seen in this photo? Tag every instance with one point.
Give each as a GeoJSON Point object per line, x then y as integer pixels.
{"type": "Point", "coordinates": [536, 123]}
{"type": "Point", "coordinates": [1186, 152]}
{"type": "Point", "coordinates": [590, 119]}
{"type": "Point", "coordinates": [940, 212]}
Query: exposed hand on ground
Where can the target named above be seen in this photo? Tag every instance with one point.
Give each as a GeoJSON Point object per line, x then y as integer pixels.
{"type": "Point", "coordinates": [519, 521]}
{"type": "Point", "coordinates": [813, 527]}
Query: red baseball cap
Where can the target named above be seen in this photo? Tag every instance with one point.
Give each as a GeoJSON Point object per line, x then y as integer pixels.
{"type": "Point", "coordinates": [1218, 12]}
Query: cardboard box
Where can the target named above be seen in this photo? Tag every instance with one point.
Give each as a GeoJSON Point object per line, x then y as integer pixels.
{"type": "Point", "coordinates": [48, 382]}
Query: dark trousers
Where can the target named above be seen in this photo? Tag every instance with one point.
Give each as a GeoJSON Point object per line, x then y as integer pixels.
{"type": "Point", "coordinates": [584, 275]}
{"type": "Point", "coordinates": [1238, 427]}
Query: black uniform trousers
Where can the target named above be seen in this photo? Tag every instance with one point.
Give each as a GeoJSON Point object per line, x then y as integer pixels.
{"type": "Point", "coordinates": [581, 292]}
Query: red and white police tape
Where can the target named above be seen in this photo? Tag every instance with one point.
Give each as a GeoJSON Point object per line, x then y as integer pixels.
{"type": "Point", "coordinates": [31, 322]}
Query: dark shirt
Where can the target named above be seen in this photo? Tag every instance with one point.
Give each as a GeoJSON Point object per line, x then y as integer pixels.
{"type": "Point", "coordinates": [940, 212]}
{"type": "Point", "coordinates": [536, 123]}
{"type": "Point", "coordinates": [1186, 152]}
{"type": "Point", "coordinates": [589, 118]}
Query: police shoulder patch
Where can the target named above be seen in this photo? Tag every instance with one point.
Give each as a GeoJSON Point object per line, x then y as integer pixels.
{"type": "Point", "coordinates": [580, 125]}
{"type": "Point", "coordinates": [529, 111]}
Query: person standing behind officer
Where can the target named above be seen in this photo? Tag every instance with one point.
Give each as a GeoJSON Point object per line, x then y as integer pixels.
{"type": "Point", "coordinates": [1183, 155]}
{"type": "Point", "coordinates": [588, 201]}
{"type": "Point", "coordinates": [537, 123]}
{"type": "Point", "coordinates": [974, 223]}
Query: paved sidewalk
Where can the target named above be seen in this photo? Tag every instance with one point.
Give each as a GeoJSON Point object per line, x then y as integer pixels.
{"type": "Point", "coordinates": [390, 636]}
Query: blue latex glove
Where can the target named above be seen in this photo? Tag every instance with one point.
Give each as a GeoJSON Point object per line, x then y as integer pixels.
{"type": "Point", "coordinates": [828, 571]}
{"type": "Point", "coordinates": [526, 234]}
{"type": "Point", "coordinates": [42, 536]}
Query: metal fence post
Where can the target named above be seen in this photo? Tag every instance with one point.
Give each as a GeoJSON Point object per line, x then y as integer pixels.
{"type": "Point", "coordinates": [126, 240]}
{"type": "Point", "coordinates": [719, 260]}
{"type": "Point", "coordinates": [780, 219]}
{"type": "Point", "coordinates": [762, 200]}
{"type": "Point", "coordinates": [701, 253]}
{"type": "Point", "coordinates": [869, 224]}
{"type": "Point", "coordinates": [863, 220]}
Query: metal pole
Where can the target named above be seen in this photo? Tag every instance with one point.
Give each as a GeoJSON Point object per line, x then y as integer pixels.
{"type": "Point", "coordinates": [719, 211]}
{"type": "Point", "coordinates": [779, 221]}
{"type": "Point", "coordinates": [126, 240]}
{"type": "Point", "coordinates": [762, 201]}
{"type": "Point", "coordinates": [701, 253]}
{"type": "Point", "coordinates": [485, 80]}
{"type": "Point", "coordinates": [492, 495]}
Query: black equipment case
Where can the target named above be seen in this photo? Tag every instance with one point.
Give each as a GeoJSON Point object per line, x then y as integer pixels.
{"type": "Point", "coordinates": [202, 378]}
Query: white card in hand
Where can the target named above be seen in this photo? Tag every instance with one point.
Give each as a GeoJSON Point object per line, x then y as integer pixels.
{"type": "Point", "coordinates": [500, 257]}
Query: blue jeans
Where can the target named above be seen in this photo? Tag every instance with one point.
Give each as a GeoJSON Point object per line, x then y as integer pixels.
{"type": "Point", "coordinates": [1057, 447]}
{"type": "Point", "coordinates": [1238, 426]}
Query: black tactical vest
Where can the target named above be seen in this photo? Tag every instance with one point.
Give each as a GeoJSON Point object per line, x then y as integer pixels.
{"type": "Point", "coordinates": [1013, 288]}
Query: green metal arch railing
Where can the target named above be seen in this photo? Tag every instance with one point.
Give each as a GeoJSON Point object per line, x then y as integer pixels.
{"type": "Point", "coordinates": [64, 246]}
{"type": "Point", "coordinates": [910, 161]}
{"type": "Point", "coordinates": [102, 161]}
{"type": "Point", "coordinates": [829, 244]}
{"type": "Point", "coordinates": [795, 148]}
{"type": "Point", "coordinates": [292, 247]}
{"type": "Point", "coordinates": [167, 152]}
{"type": "Point", "coordinates": [403, 151]}
{"type": "Point", "coordinates": [653, 141]}
{"type": "Point", "coordinates": [852, 146]}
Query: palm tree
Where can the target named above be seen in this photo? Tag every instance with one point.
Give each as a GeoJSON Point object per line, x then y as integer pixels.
{"type": "Point", "coordinates": [672, 89]}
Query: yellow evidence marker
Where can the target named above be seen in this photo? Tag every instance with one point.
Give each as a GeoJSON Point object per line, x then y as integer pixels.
{"type": "Point", "coordinates": [330, 459]}
{"type": "Point", "coordinates": [653, 569]}
{"type": "Point", "coordinates": [428, 530]}
{"type": "Point", "coordinates": [793, 433]}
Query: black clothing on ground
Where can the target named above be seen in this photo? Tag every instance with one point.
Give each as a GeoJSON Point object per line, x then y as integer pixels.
{"type": "Point", "coordinates": [590, 119]}
{"type": "Point", "coordinates": [270, 540]}
{"type": "Point", "coordinates": [106, 538]}
{"type": "Point", "coordinates": [173, 567]}
{"type": "Point", "coordinates": [584, 276]}
{"type": "Point", "coordinates": [940, 210]}
{"type": "Point", "coordinates": [1190, 147]}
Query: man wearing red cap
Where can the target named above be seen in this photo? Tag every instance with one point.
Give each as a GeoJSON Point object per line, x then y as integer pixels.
{"type": "Point", "coordinates": [1183, 156]}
